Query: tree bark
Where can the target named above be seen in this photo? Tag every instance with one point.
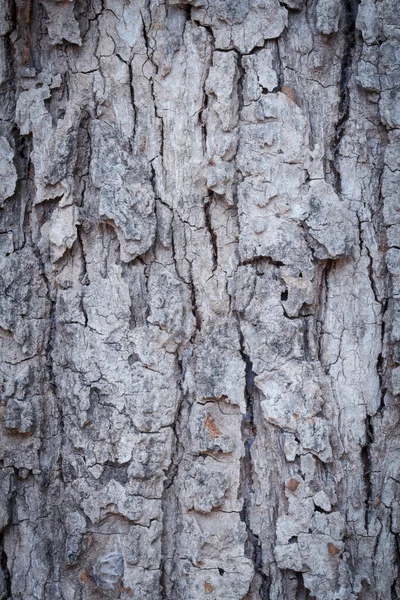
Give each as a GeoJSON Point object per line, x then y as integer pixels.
{"type": "Point", "coordinates": [200, 283]}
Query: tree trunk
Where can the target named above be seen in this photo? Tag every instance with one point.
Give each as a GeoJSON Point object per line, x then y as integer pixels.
{"type": "Point", "coordinates": [200, 283]}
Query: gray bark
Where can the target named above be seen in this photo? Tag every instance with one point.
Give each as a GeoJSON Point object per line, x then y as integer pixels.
{"type": "Point", "coordinates": [199, 311]}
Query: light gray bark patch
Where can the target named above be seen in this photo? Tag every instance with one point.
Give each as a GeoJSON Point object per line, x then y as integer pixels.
{"type": "Point", "coordinates": [8, 173]}
{"type": "Point", "coordinates": [199, 300]}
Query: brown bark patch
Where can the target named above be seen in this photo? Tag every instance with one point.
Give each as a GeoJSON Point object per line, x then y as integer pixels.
{"type": "Point", "coordinates": [290, 93]}
{"type": "Point", "coordinates": [292, 485]}
{"type": "Point", "coordinates": [332, 549]}
{"type": "Point", "coordinates": [84, 576]}
{"type": "Point", "coordinates": [211, 426]}
{"type": "Point", "coordinates": [208, 588]}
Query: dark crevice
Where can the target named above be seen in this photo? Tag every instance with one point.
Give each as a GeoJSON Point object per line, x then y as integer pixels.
{"type": "Point", "coordinates": [381, 363]}
{"type": "Point", "coordinates": [322, 302]}
{"type": "Point", "coordinates": [149, 53]}
{"type": "Point", "coordinates": [195, 309]}
{"type": "Point", "coordinates": [253, 548]}
{"type": "Point", "coordinates": [381, 369]}
{"type": "Point", "coordinates": [302, 592]}
{"type": "Point", "coordinates": [279, 69]}
{"type": "Point", "coordinates": [208, 28]}
{"type": "Point", "coordinates": [132, 93]}
{"type": "Point", "coordinates": [364, 246]}
{"type": "Point", "coordinates": [367, 467]}
{"type": "Point", "coordinates": [289, 8]}
{"type": "Point", "coordinates": [306, 341]}
{"type": "Point", "coordinates": [170, 512]}
{"type": "Point", "coordinates": [371, 276]}
{"type": "Point", "coordinates": [240, 81]}
{"type": "Point", "coordinates": [321, 510]}
{"type": "Point", "coordinates": [153, 180]}
{"type": "Point", "coordinates": [131, 80]}
{"type": "Point", "coordinates": [6, 572]}
{"type": "Point", "coordinates": [213, 236]}
{"type": "Point", "coordinates": [83, 277]}
{"type": "Point", "coordinates": [256, 260]}
{"type": "Point", "coordinates": [396, 583]}
{"type": "Point", "coordinates": [170, 505]}
{"type": "Point", "coordinates": [393, 592]}
{"type": "Point", "coordinates": [350, 9]}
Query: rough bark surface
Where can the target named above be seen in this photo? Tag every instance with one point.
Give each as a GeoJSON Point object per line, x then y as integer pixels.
{"type": "Point", "coordinates": [200, 299]}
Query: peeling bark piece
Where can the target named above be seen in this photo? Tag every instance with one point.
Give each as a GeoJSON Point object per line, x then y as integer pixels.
{"type": "Point", "coordinates": [60, 232]}
{"type": "Point", "coordinates": [214, 542]}
{"type": "Point", "coordinates": [61, 24]}
{"type": "Point", "coordinates": [328, 15]}
{"type": "Point", "coordinates": [23, 294]}
{"type": "Point", "coordinates": [126, 197]}
{"type": "Point", "coordinates": [214, 429]}
{"type": "Point", "coordinates": [396, 381]}
{"type": "Point", "coordinates": [321, 499]}
{"type": "Point", "coordinates": [260, 74]}
{"type": "Point", "coordinates": [111, 499]}
{"type": "Point", "coordinates": [300, 292]}
{"type": "Point", "coordinates": [108, 571]}
{"type": "Point", "coordinates": [206, 487]}
{"type": "Point", "coordinates": [330, 222]}
{"type": "Point", "coordinates": [220, 371]}
{"type": "Point", "coordinates": [221, 84]}
{"type": "Point", "coordinates": [18, 416]}
{"type": "Point", "coordinates": [240, 24]}
{"type": "Point", "coordinates": [294, 406]}
{"type": "Point", "coordinates": [8, 174]}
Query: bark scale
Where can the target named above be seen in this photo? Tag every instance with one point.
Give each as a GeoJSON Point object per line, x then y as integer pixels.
{"type": "Point", "coordinates": [199, 311]}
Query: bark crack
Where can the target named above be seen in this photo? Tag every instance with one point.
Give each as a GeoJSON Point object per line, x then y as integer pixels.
{"type": "Point", "coordinates": [253, 548]}
{"type": "Point", "coordinates": [350, 17]}
{"type": "Point", "coordinates": [213, 236]}
{"type": "Point", "coordinates": [170, 505]}
{"type": "Point", "coordinates": [367, 467]}
{"type": "Point", "coordinates": [6, 571]}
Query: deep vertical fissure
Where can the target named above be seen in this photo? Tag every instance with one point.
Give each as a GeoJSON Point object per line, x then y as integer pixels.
{"type": "Point", "coordinates": [253, 548]}
{"type": "Point", "coordinates": [5, 570]}
{"type": "Point", "coordinates": [367, 467]}
{"type": "Point", "coordinates": [350, 9]}
{"type": "Point", "coordinates": [322, 305]}
{"type": "Point", "coordinates": [170, 505]}
{"type": "Point", "coordinates": [211, 231]}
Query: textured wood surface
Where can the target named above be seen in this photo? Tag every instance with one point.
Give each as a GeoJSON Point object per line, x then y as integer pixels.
{"type": "Point", "coordinates": [200, 299]}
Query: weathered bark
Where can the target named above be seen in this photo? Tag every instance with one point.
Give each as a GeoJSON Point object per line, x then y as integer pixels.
{"type": "Point", "coordinates": [200, 279]}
